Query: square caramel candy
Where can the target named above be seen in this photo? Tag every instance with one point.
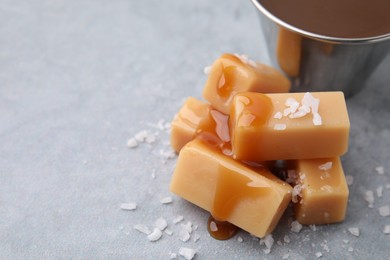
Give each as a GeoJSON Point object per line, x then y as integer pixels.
{"type": "Point", "coordinates": [232, 74]}
{"type": "Point", "coordinates": [323, 191]}
{"type": "Point", "coordinates": [197, 117]}
{"type": "Point", "coordinates": [252, 199]}
{"type": "Point", "coordinates": [286, 126]}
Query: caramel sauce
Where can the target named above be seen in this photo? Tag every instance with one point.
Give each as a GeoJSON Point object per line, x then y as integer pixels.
{"type": "Point", "coordinates": [255, 110]}
{"type": "Point", "coordinates": [221, 230]}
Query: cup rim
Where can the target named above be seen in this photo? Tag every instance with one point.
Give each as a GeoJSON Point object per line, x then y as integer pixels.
{"type": "Point", "coordinates": [320, 37]}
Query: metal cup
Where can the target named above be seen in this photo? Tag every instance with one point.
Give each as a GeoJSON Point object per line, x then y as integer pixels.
{"type": "Point", "coordinates": [316, 62]}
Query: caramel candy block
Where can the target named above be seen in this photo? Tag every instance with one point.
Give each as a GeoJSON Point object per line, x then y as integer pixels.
{"type": "Point", "coordinates": [323, 191]}
{"type": "Point", "coordinates": [252, 199]}
{"type": "Point", "coordinates": [194, 118]}
{"type": "Point", "coordinates": [231, 74]}
{"type": "Point", "coordinates": [268, 127]}
{"type": "Point", "coordinates": [289, 51]}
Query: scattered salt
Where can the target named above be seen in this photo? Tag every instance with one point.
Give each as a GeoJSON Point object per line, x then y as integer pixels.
{"type": "Point", "coordinates": [379, 191]}
{"type": "Point", "coordinates": [172, 256]}
{"type": "Point", "coordinates": [155, 235]}
{"type": "Point", "coordinates": [317, 120]}
{"type": "Point", "coordinates": [296, 191]}
{"type": "Point", "coordinates": [280, 127]}
{"type": "Point", "coordinates": [150, 138]}
{"type": "Point", "coordinates": [278, 115]}
{"type": "Point", "coordinates": [184, 235]}
{"type": "Point", "coordinates": [142, 228]}
{"type": "Point", "coordinates": [354, 231]}
{"type": "Point", "coordinates": [369, 197]}
{"type": "Point", "coordinates": [177, 219]}
{"type": "Point", "coordinates": [168, 232]}
{"type": "Point", "coordinates": [196, 238]}
{"type": "Point", "coordinates": [386, 229]}
{"type": "Point", "coordinates": [326, 166]}
{"type": "Point", "coordinates": [349, 179]}
{"type": "Point", "coordinates": [286, 239]}
{"type": "Point", "coordinates": [296, 227]}
{"type": "Point", "coordinates": [268, 241]}
{"type": "Point", "coordinates": [187, 253]}
{"type": "Point", "coordinates": [161, 223]}
{"type": "Point", "coordinates": [132, 143]}
{"type": "Point", "coordinates": [187, 227]}
{"type": "Point", "coordinates": [380, 170]}
{"type": "Point", "coordinates": [239, 239]}
{"type": "Point", "coordinates": [285, 256]}
{"type": "Point", "coordinates": [318, 254]}
{"type": "Point", "coordinates": [128, 206]}
{"type": "Point", "coordinates": [166, 200]}
{"type": "Point", "coordinates": [141, 136]}
{"type": "Point", "coordinates": [350, 249]}
{"type": "Point", "coordinates": [345, 241]}
{"type": "Point", "coordinates": [384, 211]}
{"type": "Point", "coordinates": [267, 251]}
{"type": "Point", "coordinates": [207, 70]}
{"type": "Point", "coordinates": [313, 227]}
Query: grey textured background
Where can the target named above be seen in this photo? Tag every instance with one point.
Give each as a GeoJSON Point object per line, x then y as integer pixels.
{"type": "Point", "coordinates": [79, 78]}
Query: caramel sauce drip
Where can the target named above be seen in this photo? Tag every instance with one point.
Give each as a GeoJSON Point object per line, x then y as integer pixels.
{"type": "Point", "coordinates": [220, 230]}
{"type": "Point", "coordinates": [254, 112]}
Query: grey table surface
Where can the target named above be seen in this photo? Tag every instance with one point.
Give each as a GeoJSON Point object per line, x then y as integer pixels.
{"type": "Point", "coordinates": [79, 78]}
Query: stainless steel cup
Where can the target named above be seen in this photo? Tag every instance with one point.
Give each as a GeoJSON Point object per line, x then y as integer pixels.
{"type": "Point", "coordinates": [316, 62]}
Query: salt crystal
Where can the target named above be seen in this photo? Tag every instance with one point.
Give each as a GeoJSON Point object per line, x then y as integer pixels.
{"type": "Point", "coordinates": [132, 143]}
{"type": "Point", "coordinates": [317, 120]}
{"type": "Point", "coordinates": [184, 235]}
{"type": "Point", "coordinates": [386, 229]}
{"type": "Point", "coordinates": [187, 227]}
{"type": "Point", "coordinates": [268, 241]}
{"type": "Point", "coordinates": [207, 70]}
{"type": "Point", "coordinates": [278, 115]}
{"type": "Point", "coordinates": [280, 127]}
{"type": "Point", "coordinates": [150, 138]}
{"type": "Point", "coordinates": [196, 238]}
{"type": "Point", "coordinates": [345, 241]}
{"type": "Point", "coordinates": [142, 228]}
{"type": "Point", "coordinates": [279, 243]}
{"type": "Point", "coordinates": [354, 231]}
{"type": "Point", "coordinates": [318, 254]}
{"type": "Point", "coordinates": [187, 253]}
{"type": "Point", "coordinates": [166, 200]}
{"type": "Point", "coordinates": [296, 227]}
{"type": "Point", "coordinates": [239, 239]}
{"type": "Point", "coordinates": [326, 166]}
{"type": "Point", "coordinates": [286, 239]}
{"type": "Point", "coordinates": [128, 206]}
{"type": "Point", "coordinates": [168, 232]}
{"type": "Point", "coordinates": [177, 219]}
{"type": "Point", "coordinates": [141, 136]}
{"type": "Point", "coordinates": [349, 179]}
{"type": "Point", "coordinates": [267, 251]}
{"type": "Point", "coordinates": [369, 197]}
{"type": "Point", "coordinates": [172, 256]}
{"type": "Point", "coordinates": [285, 256]}
{"type": "Point", "coordinates": [161, 223]}
{"type": "Point", "coordinates": [380, 170]}
{"type": "Point", "coordinates": [350, 249]}
{"type": "Point", "coordinates": [313, 227]}
{"type": "Point", "coordinates": [296, 191]}
{"type": "Point", "coordinates": [379, 191]}
{"type": "Point", "coordinates": [384, 211]}
{"type": "Point", "coordinates": [155, 235]}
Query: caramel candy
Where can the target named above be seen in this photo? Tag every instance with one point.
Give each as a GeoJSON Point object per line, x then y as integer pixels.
{"type": "Point", "coordinates": [289, 51]}
{"type": "Point", "coordinates": [323, 189]}
{"type": "Point", "coordinates": [268, 127]}
{"type": "Point", "coordinates": [232, 74]}
{"type": "Point", "coordinates": [250, 198]}
{"type": "Point", "coordinates": [197, 117]}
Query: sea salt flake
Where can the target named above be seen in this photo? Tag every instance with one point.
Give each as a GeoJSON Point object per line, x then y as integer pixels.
{"type": "Point", "coordinates": [349, 179]}
{"type": "Point", "coordinates": [172, 256]}
{"type": "Point", "coordinates": [285, 256]}
{"type": "Point", "coordinates": [286, 239]}
{"type": "Point", "coordinates": [166, 200]}
{"type": "Point", "coordinates": [128, 206]}
{"type": "Point", "coordinates": [317, 119]}
{"type": "Point", "coordinates": [196, 238]}
{"type": "Point", "coordinates": [187, 227]}
{"type": "Point", "coordinates": [132, 143]}
{"type": "Point", "coordinates": [280, 127]}
{"type": "Point", "coordinates": [313, 227]}
{"type": "Point", "coordinates": [296, 227]}
{"type": "Point", "coordinates": [268, 241]}
{"type": "Point", "coordinates": [161, 223]}
{"type": "Point", "coordinates": [187, 253]}
{"type": "Point", "coordinates": [207, 70]}
{"type": "Point", "coordinates": [141, 136]}
{"type": "Point", "coordinates": [168, 232]}
{"type": "Point", "coordinates": [379, 191]}
{"type": "Point", "coordinates": [354, 231]}
{"type": "Point", "coordinates": [384, 211]}
{"type": "Point", "coordinates": [386, 229]}
{"type": "Point", "coordinates": [155, 235]}
{"type": "Point", "coordinates": [296, 191]}
{"type": "Point", "coordinates": [318, 254]}
{"type": "Point", "coordinates": [350, 249]}
{"type": "Point", "coordinates": [177, 219]}
{"type": "Point", "coordinates": [267, 251]}
{"type": "Point", "coordinates": [184, 235]}
{"type": "Point", "coordinates": [369, 197]}
{"type": "Point", "coordinates": [326, 166]}
{"type": "Point", "coordinates": [278, 115]}
{"type": "Point", "coordinates": [380, 170]}
{"type": "Point", "coordinates": [239, 239]}
{"type": "Point", "coordinates": [150, 138]}
{"type": "Point", "coordinates": [142, 228]}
